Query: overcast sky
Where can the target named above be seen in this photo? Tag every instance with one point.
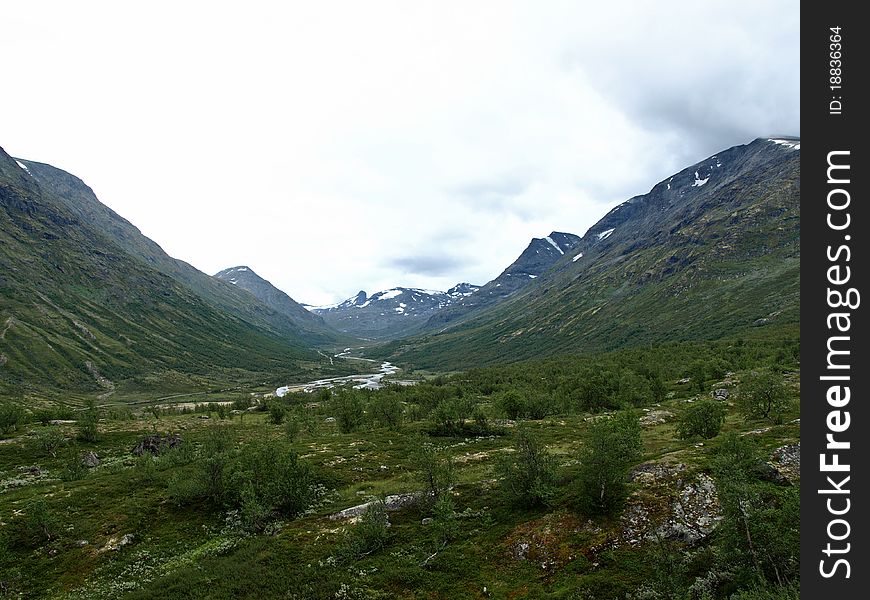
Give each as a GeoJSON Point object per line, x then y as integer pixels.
{"type": "Point", "coordinates": [339, 146]}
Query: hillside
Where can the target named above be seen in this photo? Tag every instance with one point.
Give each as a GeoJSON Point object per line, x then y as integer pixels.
{"type": "Point", "coordinates": [79, 199]}
{"type": "Point", "coordinates": [711, 251]}
{"type": "Point", "coordinates": [535, 260]}
{"type": "Point", "coordinates": [81, 312]}
{"type": "Point", "coordinates": [245, 278]}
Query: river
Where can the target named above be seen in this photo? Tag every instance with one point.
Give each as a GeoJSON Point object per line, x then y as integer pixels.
{"type": "Point", "coordinates": [371, 381]}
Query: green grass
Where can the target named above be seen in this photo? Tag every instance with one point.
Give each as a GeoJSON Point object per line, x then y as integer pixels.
{"type": "Point", "coordinates": [196, 552]}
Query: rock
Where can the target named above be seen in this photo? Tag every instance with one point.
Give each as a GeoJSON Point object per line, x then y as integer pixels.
{"type": "Point", "coordinates": [90, 459]}
{"type": "Point", "coordinates": [694, 514]}
{"type": "Point", "coordinates": [655, 417]}
{"type": "Point", "coordinates": [155, 444]}
{"type": "Point", "coordinates": [82, 543]}
{"type": "Point", "coordinates": [394, 502]}
{"type": "Point", "coordinates": [655, 473]}
{"type": "Point", "coordinates": [684, 380]}
{"type": "Point", "coordinates": [204, 417]}
{"type": "Point", "coordinates": [427, 521]}
{"type": "Point", "coordinates": [116, 544]}
{"type": "Point", "coordinates": [770, 473]}
{"type": "Point", "coordinates": [520, 550]}
{"type": "Point", "coordinates": [719, 394]}
{"type": "Point", "coordinates": [788, 458]}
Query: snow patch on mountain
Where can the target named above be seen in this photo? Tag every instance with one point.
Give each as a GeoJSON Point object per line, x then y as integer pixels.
{"type": "Point", "coordinates": [554, 244]}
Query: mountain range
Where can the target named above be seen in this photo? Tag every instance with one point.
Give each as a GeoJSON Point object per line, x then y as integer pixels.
{"type": "Point", "coordinates": [392, 313]}
{"type": "Point", "coordinates": [88, 301]}
{"type": "Point", "coordinates": [711, 251]}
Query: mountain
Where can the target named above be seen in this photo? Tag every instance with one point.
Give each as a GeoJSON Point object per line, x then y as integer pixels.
{"type": "Point", "coordinates": [712, 251]}
{"type": "Point", "coordinates": [80, 199]}
{"type": "Point", "coordinates": [391, 313]}
{"type": "Point", "coordinates": [245, 278]}
{"type": "Point", "coordinates": [536, 259]}
{"type": "Point", "coordinates": [87, 303]}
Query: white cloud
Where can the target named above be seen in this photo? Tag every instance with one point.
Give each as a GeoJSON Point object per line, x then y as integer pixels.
{"type": "Point", "coordinates": [327, 145]}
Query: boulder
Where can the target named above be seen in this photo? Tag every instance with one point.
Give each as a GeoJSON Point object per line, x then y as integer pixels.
{"type": "Point", "coordinates": [155, 444]}
{"type": "Point", "coordinates": [719, 394]}
{"type": "Point", "coordinates": [90, 459]}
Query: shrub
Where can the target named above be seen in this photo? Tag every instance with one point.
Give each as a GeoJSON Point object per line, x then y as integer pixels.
{"type": "Point", "coordinates": [434, 470]}
{"type": "Point", "coordinates": [512, 404]}
{"type": "Point", "coordinates": [11, 417]}
{"type": "Point", "coordinates": [277, 411]}
{"type": "Point", "coordinates": [764, 396]}
{"type": "Point", "coordinates": [88, 420]}
{"type": "Point", "coordinates": [50, 441]}
{"type": "Point", "coordinates": [74, 468]}
{"type": "Point", "coordinates": [292, 428]}
{"type": "Point", "coordinates": [529, 474]}
{"type": "Point", "coordinates": [40, 524]}
{"type": "Point", "coordinates": [704, 418]}
{"type": "Point", "coordinates": [760, 530]}
{"type": "Point", "coordinates": [348, 411]}
{"type": "Point", "coordinates": [386, 410]}
{"type": "Point", "coordinates": [611, 446]}
{"type": "Point", "coordinates": [369, 535]}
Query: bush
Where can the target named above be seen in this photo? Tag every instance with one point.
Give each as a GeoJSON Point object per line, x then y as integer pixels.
{"type": "Point", "coordinates": [50, 441]}
{"type": "Point", "coordinates": [760, 529]}
{"type": "Point", "coordinates": [611, 447]}
{"type": "Point", "coordinates": [347, 408]}
{"type": "Point", "coordinates": [277, 411]}
{"type": "Point", "coordinates": [11, 417]}
{"type": "Point", "coordinates": [512, 404]}
{"type": "Point", "coordinates": [369, 535]}
{"type": "Point", "coordinates": [74, 468]}
{"type": "Point", "coordinates": [529, 474]}
{"type": "Point", "coordinates": [386, 410]}
{"type": "Point", "coordinates": [434, 470]}
{"type": "Point", "coordinates": [764, 396]}
{"type": "Point", "coordinates": [704, 418]}
{"type": "Point", "coordinates": [292, 428]}
{"type": "Point", "coordinates": [88, 420]}
{"type": "Point", "coordinates": [39, 525]}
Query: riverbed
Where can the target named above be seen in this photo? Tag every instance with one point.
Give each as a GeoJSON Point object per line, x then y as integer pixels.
{"type": "Point", "coordinates": [371, 381]}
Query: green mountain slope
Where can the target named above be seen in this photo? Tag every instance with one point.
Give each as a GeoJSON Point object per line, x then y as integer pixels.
{"type": "Point", "coordinates": [710, 252]}
{"type": "Point", "coordinates": [79, 198]}
{"type": "Point", "coordinates": [80, 312]}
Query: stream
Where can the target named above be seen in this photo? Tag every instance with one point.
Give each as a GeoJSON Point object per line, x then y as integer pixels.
{"type": "Point", "coordinates": [371, 381]}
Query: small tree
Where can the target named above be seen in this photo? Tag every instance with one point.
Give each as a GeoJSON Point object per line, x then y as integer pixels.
{"type": "Point", "coordinates": [764, 396]}
{"type": "Point", "coordinates": [512, 404]}
{"type": "Point", "coordinates": [434, 470]}
{"type": "Point", "coordinates": [387, 410]}
{"type": "Point", "coordinates": [50, 441]}
{"type": "Point", "coordinates": [277, 412]}
{"type": "Point", "coordinates": [348, 410]}
{"type": "Point", "coordinates": [89, 418]}
{"type": "Point", "coordinates": [369, 535]}
{"type": "Point", "coordinates": [529, 474]}
{"type": "Point", "coordinates": [704, 418]}
{"type": "Point", "coordinates": [11, 417]}
{"type": "Point", "coordinates": [612, 445]}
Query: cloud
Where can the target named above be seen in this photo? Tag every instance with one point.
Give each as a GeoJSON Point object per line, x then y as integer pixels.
{"type": "Point", "coordinates": [370, 145]}
{"type": "Point", "coordinates": [433, 265]}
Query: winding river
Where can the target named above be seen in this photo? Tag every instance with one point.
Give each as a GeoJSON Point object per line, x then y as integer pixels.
{"type": "Point", "coordinates": [372, 381]}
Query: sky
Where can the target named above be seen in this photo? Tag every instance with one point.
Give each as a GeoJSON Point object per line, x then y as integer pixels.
{"type": "Point", "coordinates": [340, 146]}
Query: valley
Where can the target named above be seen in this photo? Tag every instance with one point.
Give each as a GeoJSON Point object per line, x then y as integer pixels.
{"type": "Point", "coordinates": [615, 415]}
